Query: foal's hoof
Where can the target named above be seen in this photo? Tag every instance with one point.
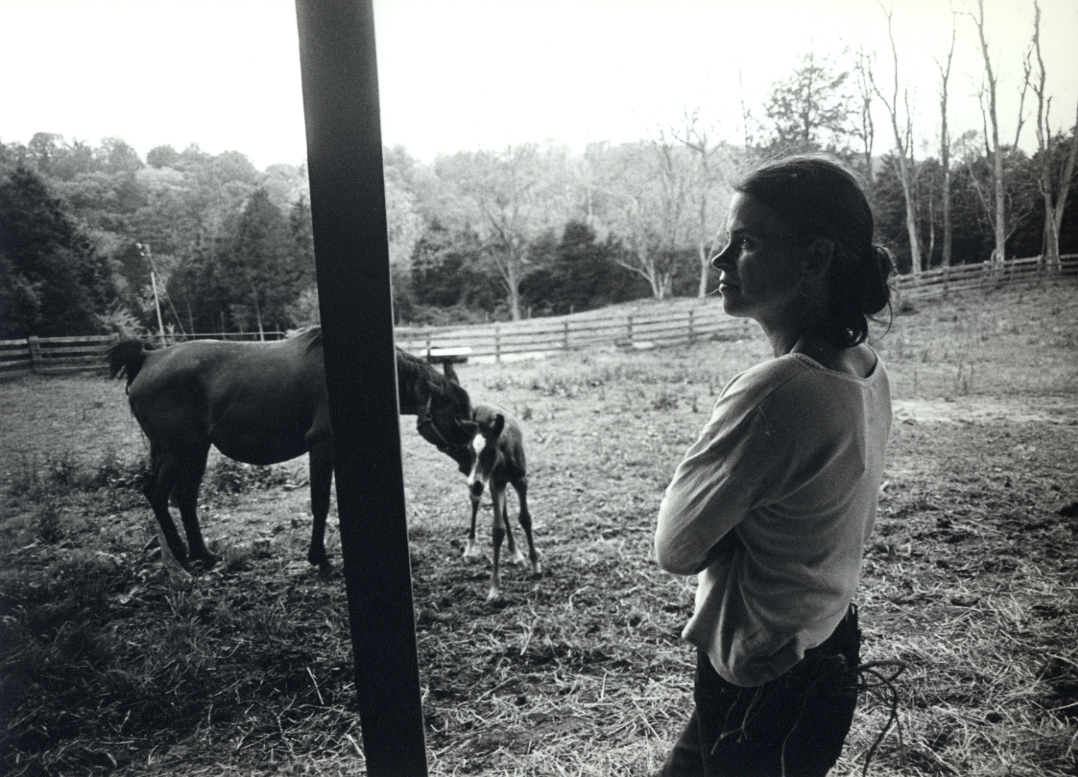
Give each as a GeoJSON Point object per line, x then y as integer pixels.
{"type": "Point", "coordinates": [205, 560]}
{"type": "Point", "coordinates": [494, 596]}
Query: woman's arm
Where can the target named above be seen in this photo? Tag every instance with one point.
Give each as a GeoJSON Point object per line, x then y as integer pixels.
{"type": "Point", "coordinates": [703, 502]}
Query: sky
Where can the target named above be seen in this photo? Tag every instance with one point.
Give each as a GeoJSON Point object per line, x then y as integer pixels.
{"type": "Point", "coordinates": [468, 74]}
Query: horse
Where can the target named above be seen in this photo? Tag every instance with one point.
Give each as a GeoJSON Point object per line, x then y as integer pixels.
{"type": "Point", "coordinates": [258, 403]}
{"type": "Point", "coordinates": [496, 457]}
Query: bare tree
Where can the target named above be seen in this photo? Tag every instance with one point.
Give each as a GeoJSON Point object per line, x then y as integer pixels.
{"type": "Point", "coordinates": [1054, 176]}
{"type": "Point", "coordinates": [512, 197]}
{"type": "Point", "coordinates": [709, 189]}
{"type": "Point", "coordinates": [995, 148]}
{"type": "Point", "coordinates": [641, 192]}
{"type": "Point", "coordinates": [903, 161]}
{"type": "Point", "coordinates": [945, 152]}
{"type": "Point", "coordinates": [865, 130]}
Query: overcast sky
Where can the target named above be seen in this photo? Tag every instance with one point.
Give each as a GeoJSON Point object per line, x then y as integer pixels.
{"type": "Point", "coordinates": [467, 74]}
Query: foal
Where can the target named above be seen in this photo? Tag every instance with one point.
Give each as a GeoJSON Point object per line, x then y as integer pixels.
{"type": "Point", "coordinates": [496, 456]}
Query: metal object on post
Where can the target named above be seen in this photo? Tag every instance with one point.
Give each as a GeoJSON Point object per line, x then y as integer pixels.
{"type": "Point", "coordinates": [344, 157]}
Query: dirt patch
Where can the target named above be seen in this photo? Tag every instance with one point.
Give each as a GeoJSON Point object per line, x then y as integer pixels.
{"type": "Point", "coordinates": [987, 409]}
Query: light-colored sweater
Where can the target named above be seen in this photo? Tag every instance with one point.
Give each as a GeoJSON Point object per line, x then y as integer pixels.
{"type": "Point", "coordinates": [772, 506]}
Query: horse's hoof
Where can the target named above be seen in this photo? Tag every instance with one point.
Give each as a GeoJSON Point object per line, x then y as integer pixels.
{"type": "Point", "coordinates": [517, 559]}
{"type": "Point", "coordinates": [537, 569]}
{"type": "Point", "coordinates": [494, 596]}
{"type": "Point", "coordinates": [205, 560]}
{"type": "Point", "coordinates": [318, 559]}
{"type": "Point", "coordinates": [472, 551]}
{"type": "Point", "coordinates": [325, 568]}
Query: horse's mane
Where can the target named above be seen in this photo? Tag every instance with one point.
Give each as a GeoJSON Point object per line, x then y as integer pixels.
{"type": "Point", "coordinates": [417, 379]}
{"type": "Point", "coordinates": [420, 379]}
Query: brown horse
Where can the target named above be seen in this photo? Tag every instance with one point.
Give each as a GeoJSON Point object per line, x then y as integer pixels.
{"type": "Point", "coordinates": [258, 403]}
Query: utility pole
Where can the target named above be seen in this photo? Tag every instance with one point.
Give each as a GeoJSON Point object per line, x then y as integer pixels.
{"type": "Point", "coordinates": [144, 249]}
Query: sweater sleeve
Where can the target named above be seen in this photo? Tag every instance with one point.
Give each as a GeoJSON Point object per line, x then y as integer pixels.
{"type": "Point", "coordinates": [714, 487]}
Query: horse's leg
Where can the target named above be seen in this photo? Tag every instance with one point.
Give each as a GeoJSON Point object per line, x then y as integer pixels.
{"type": "Point", "coordinates": [321, 458]}
{"type": "Point", "coordinates": [165, 468]}
{"type": "Point", "coordinates": [497, 534]}
{"type": "Point", "coordinates": [521, 486]}
{"type": "Point", "coordinates": [471, 550]}
{"type": "Point", "coordinates": [186, 493]}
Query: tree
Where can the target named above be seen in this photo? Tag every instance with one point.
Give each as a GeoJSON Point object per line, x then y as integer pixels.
{"type": "Point", "coordinates": [810, 109]}
{"type": "Point", "coordinates": [995, 148]}
{"type": "Point", "coordinates": [945, 153]}
{"type": "Point", "coordinates": [52, 281]}
{"type": "Point", "coordinates": [259, 271]}
{"type": "Point", "coordinates": [641, 193]}
{"type": "Point", "coordinates": [446, 271]}
{"type": "Point", "coordinates": [514, 196]}
{"type": "Point", "coordinates": [902, 126]}
{"type": "Point", "coordinates": [582, 274]}
{"type": "Point", "coordinates": [711, 167]}
{"type": "Point", "coordinates": [162, 156]}
{"type": "Point", "coordinates": [1055, 158]}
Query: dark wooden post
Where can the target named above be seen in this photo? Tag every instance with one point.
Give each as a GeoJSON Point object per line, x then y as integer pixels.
{"type": "Point", "coordinates": [344, 156]}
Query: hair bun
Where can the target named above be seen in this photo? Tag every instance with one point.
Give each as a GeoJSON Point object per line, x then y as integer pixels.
{"type": "Point", "coordinates": [876, 293]}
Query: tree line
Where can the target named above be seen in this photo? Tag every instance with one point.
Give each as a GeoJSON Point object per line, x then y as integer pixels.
{"type": "Point", "coordinates": [97, 239]}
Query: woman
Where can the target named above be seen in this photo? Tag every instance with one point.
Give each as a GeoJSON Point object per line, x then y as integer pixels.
{"type": "Point", "coordinates": [773, 503]}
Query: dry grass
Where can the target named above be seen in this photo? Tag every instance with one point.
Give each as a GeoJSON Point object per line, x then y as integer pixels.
{"type": "Point", "coordinates": [106, 667]}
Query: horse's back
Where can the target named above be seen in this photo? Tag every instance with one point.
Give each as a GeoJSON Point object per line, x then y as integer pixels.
{"type": "Point", "coordinates": [257, 402]}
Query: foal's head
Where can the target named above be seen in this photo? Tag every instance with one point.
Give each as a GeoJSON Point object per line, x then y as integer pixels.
{"type": "Point", "coordinates": [479, 457]}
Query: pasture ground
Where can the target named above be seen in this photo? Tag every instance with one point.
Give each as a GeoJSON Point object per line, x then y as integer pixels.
{"type": "Point", "coordinates": [106, 667]}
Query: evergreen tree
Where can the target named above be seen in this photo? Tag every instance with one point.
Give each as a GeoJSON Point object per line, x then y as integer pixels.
{"type": "Point", "coordinates": [52, 281]}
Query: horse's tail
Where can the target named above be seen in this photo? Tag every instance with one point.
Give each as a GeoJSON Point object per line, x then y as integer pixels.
{"type": "Point", "coordinates": [127, 356]}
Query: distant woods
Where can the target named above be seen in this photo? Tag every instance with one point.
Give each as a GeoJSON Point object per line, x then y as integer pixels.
{"type": "Point", "coordinates": [98, 239]}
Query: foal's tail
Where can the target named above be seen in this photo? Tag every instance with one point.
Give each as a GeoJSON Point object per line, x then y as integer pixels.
{"type": "Point", "coordinates": [127, 356]}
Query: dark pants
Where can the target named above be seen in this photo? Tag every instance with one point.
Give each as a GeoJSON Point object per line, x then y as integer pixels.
{"type": "Point", "coordinates": [793, 726]}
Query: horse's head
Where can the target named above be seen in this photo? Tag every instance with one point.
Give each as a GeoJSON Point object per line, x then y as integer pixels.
{"type": "Point", "coordinates": [446, 421]}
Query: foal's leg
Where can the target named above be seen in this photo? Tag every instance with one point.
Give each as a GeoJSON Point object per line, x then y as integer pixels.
{"type": "Point", "coordinates": [515, 557]}
{"type": "Point", "coordinates": [521, 487]}
{"type": "Point", "coordinates": [186, 493]}
{"type": "Point", "coordinates": [165, 469]}
{"type": "Point", "coordinates": [321, 460]}
{"type": "Point", "coordinates": [497, 534]}
{"type": "Point", "coordinates": [471, 550]}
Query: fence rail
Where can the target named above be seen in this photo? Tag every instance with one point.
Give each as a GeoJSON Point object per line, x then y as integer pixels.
{"type": "Point", "coordinates": [645, 326]}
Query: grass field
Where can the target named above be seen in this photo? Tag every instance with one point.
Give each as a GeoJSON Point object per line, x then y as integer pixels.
{"type": "Point", "coordinates": [108, 668]}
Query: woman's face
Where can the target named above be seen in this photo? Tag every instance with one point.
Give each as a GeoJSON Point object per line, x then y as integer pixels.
{"type": "Point", "coordinates": [761, 267]}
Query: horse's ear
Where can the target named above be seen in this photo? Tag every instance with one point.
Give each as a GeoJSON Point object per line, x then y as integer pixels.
{"type": "Point", "coordinates": [450, 371]}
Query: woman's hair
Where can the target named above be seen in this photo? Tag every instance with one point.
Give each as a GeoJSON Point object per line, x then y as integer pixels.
{"type": "Point", "coordinates": [818, 197]}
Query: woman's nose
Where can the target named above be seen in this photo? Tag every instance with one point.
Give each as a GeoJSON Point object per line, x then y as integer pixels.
{"type": "Point", "coordinates": [722, 259]}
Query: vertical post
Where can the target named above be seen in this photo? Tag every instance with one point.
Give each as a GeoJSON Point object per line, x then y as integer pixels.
{"type": "Point", "coordinates": [35, 352]}
{"type": "Point", "coordinates": [497, 343]}
{"type": "Point", "coordinates": [630, 326]}
{"type": "Point", "coordinates": [692, 334]}
{"type": "Point", "coordinates": [344, 155]}
{"type": "Point", "coordinates": [565, 335]}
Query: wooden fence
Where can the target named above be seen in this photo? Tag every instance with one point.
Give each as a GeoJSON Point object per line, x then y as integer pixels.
{"type": "Point", "coordinates": [647, 325]}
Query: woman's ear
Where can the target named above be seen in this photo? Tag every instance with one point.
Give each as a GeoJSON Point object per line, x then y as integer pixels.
{"type": "Point", "coordinates": [818, 259]}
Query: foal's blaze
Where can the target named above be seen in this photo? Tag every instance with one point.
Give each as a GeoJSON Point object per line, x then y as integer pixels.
{"type": "Point", "coordinates": [495, 459]}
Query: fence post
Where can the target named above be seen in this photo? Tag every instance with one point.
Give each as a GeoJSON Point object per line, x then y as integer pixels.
{"type": "Point", "coordinates": [692, 333]}
{"type": "Point", "coordinates": [35, 351]}
{"type": "Point", "coordinates": [565, 336]}
{"type": "Point", "coordinates": [427, 354]}
{"type": "Point", "coordinates": [497, 343]}
{"type": "Point", "coordinates": [630, 327]}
